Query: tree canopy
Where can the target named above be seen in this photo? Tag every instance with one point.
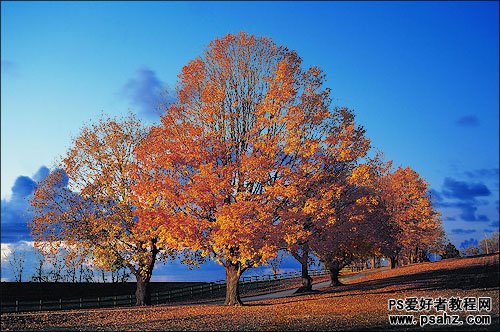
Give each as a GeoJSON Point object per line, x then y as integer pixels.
{"type": "Point", "coordinates": [86, 206]}
{"type": "Point", "coordinates": [250, 159]}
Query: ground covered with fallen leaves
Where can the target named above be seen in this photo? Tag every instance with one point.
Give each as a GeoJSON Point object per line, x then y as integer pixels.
{"type": "Point", "coordinates": [361, 304]}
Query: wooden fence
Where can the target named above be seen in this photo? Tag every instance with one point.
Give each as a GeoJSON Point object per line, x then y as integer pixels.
{"type": "Point", "coordinates": [262, 283]}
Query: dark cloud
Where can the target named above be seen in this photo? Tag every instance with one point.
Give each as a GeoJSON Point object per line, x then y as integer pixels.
{"type": "Point", "coordinates": [64, 180]}
{"type": "Point", "coordinates": [464, 190]}
{"type": "Point", "coordinates": [465, 196]}
{"type": "Point", "coordinates": [468, 121]}
{"type": "Point", "coordinates": [467, 243]}
{"type": "Point", "coordinates": [483, 173]}
{"type": "Point", "coordinates": [16, 212]}
{"type": "Point", "coordinates": [147, 93]}
{"type": "Point", "coordinates": [13, 223]}
{"type": "Point", "coordinates": [23, 186]}
{"type": "Point", "coordinates": [482, 217]}
{"type": "Point", "coordinates": [461, 231]}
{"type": "Point", "coordinates": [41, 174]}
{"type": "Point", "coordinates": [468, 210]}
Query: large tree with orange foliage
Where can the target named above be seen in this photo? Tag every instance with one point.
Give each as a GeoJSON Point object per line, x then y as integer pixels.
{"type": "Point", "coordinates": [223, 159]}
{"type": "Point", "coordinates": [87, 206]}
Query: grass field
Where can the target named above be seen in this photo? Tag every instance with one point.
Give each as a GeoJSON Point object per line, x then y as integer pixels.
{"type": "Point", "coordinates": [361, 304]}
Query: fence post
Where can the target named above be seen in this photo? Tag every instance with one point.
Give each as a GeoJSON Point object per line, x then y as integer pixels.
{"type": "Point", "coordinates": [191, 291]}
{"type": "Point", "coordinates": [156, 296]}
{"type": "Point", "coordinates": [17, 305]}
{"type": "Point", "coordinates": [81, 304]}
{"type": "Point", "coordinates": [60, 304]}
{"type": "Point", "coordinates": [99, 301]}
{"type": "Point", "coordinates": [114, 301]}
{"type": "Point", "coordinates": [130, 299]}
{"type": "Point", "coordinates": [40, 306]}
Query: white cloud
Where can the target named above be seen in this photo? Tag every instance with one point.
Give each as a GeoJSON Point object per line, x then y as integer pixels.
{"type": "Point", "coordinates": [24, 248]}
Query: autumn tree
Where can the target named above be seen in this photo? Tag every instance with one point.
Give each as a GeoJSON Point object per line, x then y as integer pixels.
{"type": "Point", "coordinates": [489, 244]}
{"type": "Point", "coordinates": [320, 185]}
{"type": "Point", "coordinates": [406, 198]}
{"type": "Point", "coordinates": [471, 250]}
{"type": "Point", "coordinates": [220, 164]}
{"type": "Point", "coordinates": [356, 227]}
{"type": "Point", "coordinates": [86, 206]}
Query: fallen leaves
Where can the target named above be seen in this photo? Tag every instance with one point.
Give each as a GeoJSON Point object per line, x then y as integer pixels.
{"type": "Point", "coordinates": [360, 305]}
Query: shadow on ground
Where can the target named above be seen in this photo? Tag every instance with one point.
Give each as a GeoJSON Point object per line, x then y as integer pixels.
{"type": "Point", "coordinates": [465, 278]}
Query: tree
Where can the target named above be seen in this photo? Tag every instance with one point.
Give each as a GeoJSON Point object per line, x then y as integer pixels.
{"type": "Point", "coordinates": [471, 250]}
{"type": "Point", "coordinates": [406, 198]}
{"type": "Point", "coordinates": [16, 259]}
{"type": "Point", "coordinates": [489, 244]}
{"type": "Point", "coordinates": [319, 181]}
{"type": "Point", "coordinates": [87, 206]}
{"type": "Point", "coordinates": [450, 251]}
{"type": "Point", "coordinates": [40, 274]}
{"type": "Point", "coordinates": [356, 227]}
{"type": "Point", "coordinates": [56, 272]}
{"type": "Point", "coordinates": [220, 163]}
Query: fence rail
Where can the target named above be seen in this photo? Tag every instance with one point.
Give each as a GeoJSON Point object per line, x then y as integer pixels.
{"type": "Point", "coordinates": [263, 283]}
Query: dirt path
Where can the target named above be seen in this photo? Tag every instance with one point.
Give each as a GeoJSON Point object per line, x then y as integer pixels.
{"type": "Point", "coordinates": [317, 286]}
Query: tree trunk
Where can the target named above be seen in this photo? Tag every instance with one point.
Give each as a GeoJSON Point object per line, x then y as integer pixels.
{"type": "Point", "coordinates": [393, 261]}
{"type": "Point", "coordinates": [233, 273]}
{"type": "Point", "coordinates": [143, 276]}
{"type": "Point", "coordinates": [142, 292]}
{"type": "Point", "coordinates": [334, 275]}
{"type": "Point", "coordinates": [373, 262]}
{"type": "Point", "coordinates": [306, 278]}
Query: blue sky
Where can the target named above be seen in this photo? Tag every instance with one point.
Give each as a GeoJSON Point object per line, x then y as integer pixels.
{"type": "Point", "coordinates": [423, 79]}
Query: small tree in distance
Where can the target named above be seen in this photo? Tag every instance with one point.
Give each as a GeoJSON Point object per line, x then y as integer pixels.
{"type": "Point", "coordinates": [450, 251]}
{"type": "Point", "coordinates": [16, 259]}
{"type": "Point", "coordinates": [489, 244]}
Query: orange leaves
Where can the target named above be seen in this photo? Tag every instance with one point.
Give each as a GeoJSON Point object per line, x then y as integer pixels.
{"type": "Point", "coordinates": [405, 194]}
{"type": "Point", "coordinates": [242, 233]}
{"type": "Point", "coordinates": [251, 154]}
{"type": "Point", "coordinates": [89, 205]}
{"type": "Point", "coordinates": [223, 159]}
{"type": "Point", "coordinates": [190, 78]}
